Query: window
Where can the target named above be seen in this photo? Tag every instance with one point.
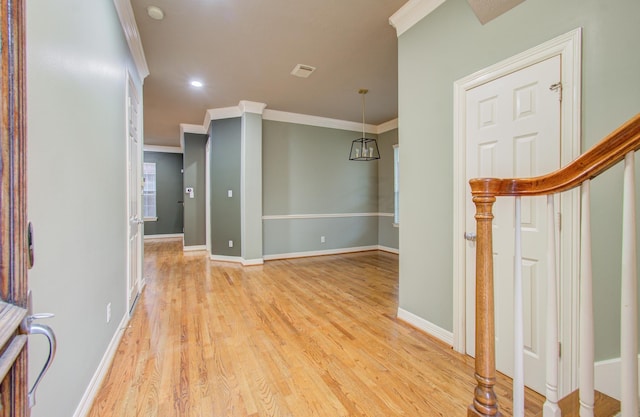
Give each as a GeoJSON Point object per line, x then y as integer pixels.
{"type": "Point", "coordinates": [149, 191]}
{"type": "Point", "coordinates": [396, 184]}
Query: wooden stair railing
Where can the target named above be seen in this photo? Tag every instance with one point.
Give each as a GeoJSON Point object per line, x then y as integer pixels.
{"type": "Point", "coordinates": [621, 143]}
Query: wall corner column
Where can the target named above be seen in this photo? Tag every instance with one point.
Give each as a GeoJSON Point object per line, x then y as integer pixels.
{"type": "Point", "coordinates": [251, 182]}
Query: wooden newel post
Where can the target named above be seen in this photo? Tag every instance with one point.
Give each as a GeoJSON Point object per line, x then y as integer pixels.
{"type": "Point", "coordinates": [485, 402]}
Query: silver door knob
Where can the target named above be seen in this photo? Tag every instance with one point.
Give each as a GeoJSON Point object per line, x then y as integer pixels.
{"type": "Point", "coordinates": [471, 237]}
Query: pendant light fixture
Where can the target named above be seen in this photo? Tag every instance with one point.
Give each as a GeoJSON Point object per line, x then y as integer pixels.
{"type": "Point", "coordinates": [364, 149]}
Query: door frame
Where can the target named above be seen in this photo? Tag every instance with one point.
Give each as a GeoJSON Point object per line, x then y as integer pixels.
{"type": "Point", "coordinates": [569, 47]}
{"type": "Point", "coordinates": [139, 282]}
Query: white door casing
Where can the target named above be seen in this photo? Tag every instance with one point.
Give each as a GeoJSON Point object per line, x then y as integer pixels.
{"type": "Point", "coordinates": [207, 198]}
{"type": "Point", "coordinates": [567, 49]}
{"type": "Point", "coordinates": [134, 191]}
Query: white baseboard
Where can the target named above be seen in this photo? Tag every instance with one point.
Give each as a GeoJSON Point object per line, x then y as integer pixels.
{"type": "Point", "coordinates": [426, 326]}
{"type": "Point", "coordinates": [224, 258]}
{"type": "Point", "coordinates": [94, 385]}
{"type": "Point", "coordinates": [388, 249]}
{"type": "Point", "coordinates": [194, 248]}
{"type": "Point", "coordinates": [607, 377]}
{"type": "Point", "coordinates": [237, 259]}
{"type": "Point", "coordinates": [166, 236]}
{"type": "Point", "coordinates": [252, 262]}
{"type": "Point", "coordinates": [319, 252]}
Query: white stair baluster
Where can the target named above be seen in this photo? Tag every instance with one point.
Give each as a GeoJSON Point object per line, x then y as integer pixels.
{"type": "Point", "coordinates": [518, 320]}
{"type": "Point", "coordinates": [550, 408]}
{"type": "Point", "coordinates": [586, 308]}
{"type": "Point", "coordinates": [629, 299]}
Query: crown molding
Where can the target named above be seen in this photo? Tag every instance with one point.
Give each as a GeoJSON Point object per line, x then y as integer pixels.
{"type": "Point", "coordinates": [387, 126]}
{"type": "Point", "coordinates": [305, 119]}
{"type": "Point", "coordinates": [187, 128]}
{"type": "Point", "coordinates": [282, 116]}
{"type": "Point", "coordinates": [130, 28]}
{"type": "Point", "coordinates": [163, 149]}
{"type": "Point", "coordinates": [251, 107]}
{"type": "Point", "coordinates": [219, 114]}
{"type": "Point", "coordinates": [411, 13]}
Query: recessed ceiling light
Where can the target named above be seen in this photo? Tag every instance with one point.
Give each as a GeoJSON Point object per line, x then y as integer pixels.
{"type": "Point", "coordinates": [196, 83]}
{"type": "Point", "coordinates": [155, 12]}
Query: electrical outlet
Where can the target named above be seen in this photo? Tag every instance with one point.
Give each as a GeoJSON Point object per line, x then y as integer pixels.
{"type": "Point", "coordinates": [322, 239]}
{"type": "Point", "coordinates": [108, 312]}
{"type": "Point", "coordinates": [231, 243]}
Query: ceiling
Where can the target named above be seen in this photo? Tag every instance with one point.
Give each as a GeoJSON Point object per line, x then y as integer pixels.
{"type": "Point", "coordinates": [245, 50]}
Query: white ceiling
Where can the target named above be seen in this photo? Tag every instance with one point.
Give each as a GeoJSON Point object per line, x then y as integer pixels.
{"type": "Point", "coordinates": [245, 50]}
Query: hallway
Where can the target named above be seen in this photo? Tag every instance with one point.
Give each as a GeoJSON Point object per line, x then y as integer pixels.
{"type": "Point", "coordinates": [300, 337]}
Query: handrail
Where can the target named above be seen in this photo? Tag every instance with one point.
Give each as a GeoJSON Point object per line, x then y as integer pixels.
{"type": "Point", "coordinates": [602, 156]}
{"type": "Point", "coordinates": [605, 154]}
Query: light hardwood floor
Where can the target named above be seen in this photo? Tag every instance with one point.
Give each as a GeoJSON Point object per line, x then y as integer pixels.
{"type": "Point", "coordinates": [303, 337]}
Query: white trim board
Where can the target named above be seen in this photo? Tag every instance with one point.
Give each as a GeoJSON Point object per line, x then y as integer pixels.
{"type": "Point", "coordinates": [387, 126]}
{"type": "Point", "coordinates": [252, 262]}
{"type": "Point", "coordinates": [418, 322]}
{"type": "Point", "coordinates": [607, 377]}
{"type": "Point", "coordinates": [411, 13]}
{"type": "Point", "coordinates": [130, 28]}
{"type": "Point", "coordinates": [84, 406]}
{"type": "Point", "coordinates": [194, 248]}
{"type": "Point", "coordinates": [281, 116]}
{"type": "Point", "coordinates": [246, 106]}
{"type": "Point", "coordinates": [323, 216]}
{"type": "Point", "coordinates": [166, 236]}
{"type": "Point", "coordinates": [225, 258]}
{"type": "Point", "coordinates": [290, 255]}
{"type": "Point", "coordinates": [389, 249]}
{"type": "Point", "coordinates": [164, 149]}
{"type": "Point", "coordinates": [305, 119]}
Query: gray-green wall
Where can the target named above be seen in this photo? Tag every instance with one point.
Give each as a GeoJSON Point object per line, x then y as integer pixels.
{"type": "Point", "coordinates": [225, 175]}
{"type": "Point", "coordinates": [77, 64]}
{"type": "Point", "coordinates": [306, 171]}
{"type": "Point", "coordinates": [194, 176]}
{"type": "Point", "coordinates": [168, 192]}
{"type": "Point", "coordinates": [449, 44]}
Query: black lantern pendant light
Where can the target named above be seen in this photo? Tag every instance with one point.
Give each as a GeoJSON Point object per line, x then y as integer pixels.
{"type": "Point", "coordinates": [364, 149]}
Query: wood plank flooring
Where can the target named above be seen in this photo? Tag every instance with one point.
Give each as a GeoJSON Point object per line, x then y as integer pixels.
{"type": "Point", "coordinates": [303, 337]}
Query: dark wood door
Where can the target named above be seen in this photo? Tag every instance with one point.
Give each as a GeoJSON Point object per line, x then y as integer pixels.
{"type": "Point", "coordinates": [14, 254]}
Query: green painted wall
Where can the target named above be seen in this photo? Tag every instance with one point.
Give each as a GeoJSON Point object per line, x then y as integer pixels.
{"type": "Point", "coordinates": [77, 64]}
{"type": "Point", "coordinates": [194, 176]}
{"type": "Point", "coordinates": [225, 175]}
{"type": "Point", "coordinates": [449, 44]}
{"type": "Point", "coordinates": [168, 192]}
{"type": "Point", "coordinates": [306, 170]}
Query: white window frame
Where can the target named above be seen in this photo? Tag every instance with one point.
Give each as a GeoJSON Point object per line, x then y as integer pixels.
{"type": "Point", "coordinates": [149, 190]}
{"type": "Point", "coordinates": [396, 185]}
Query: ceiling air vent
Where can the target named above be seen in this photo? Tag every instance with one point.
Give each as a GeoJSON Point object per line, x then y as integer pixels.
{"type": "Point", "coordinates": [302, 71]}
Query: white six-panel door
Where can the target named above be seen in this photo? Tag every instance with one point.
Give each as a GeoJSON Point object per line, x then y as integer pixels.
{"type": "Point", "coordinates": [134, 188]}
{"type": "Point", "coordinates": [513, 130]}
